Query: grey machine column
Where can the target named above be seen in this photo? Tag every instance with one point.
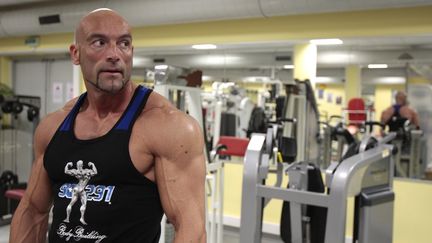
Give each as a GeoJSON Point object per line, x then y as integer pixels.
{"type": "Point", "coordinates": [368, 174]}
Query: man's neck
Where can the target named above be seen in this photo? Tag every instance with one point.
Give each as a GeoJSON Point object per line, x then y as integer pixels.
{"type": "Point", "coordinates": [103, 103]}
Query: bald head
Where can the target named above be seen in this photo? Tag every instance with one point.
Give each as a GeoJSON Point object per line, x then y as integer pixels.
{"type": "Point", "coordinates": [401, 98]}
{"type": "Point", "coordinates": [103, 48]}
{"type": "Point", "coordinates": [98, 18]}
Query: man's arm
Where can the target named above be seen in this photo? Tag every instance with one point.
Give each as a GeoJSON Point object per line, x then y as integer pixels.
{"type": "Point", "coordinates": [30, 220]}
{"type": "Point", "coordinates": [180, 176]}
{"type": "Point", "coordinates": [386, 115]}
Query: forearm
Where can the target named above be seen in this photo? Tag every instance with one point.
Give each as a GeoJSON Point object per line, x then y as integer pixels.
{"type": "Point", "coordinates": [28, 225]}
{"type": "Point", "coordinates": [190, 226]}
{"type": "Point", "coordinates": [190, 234]}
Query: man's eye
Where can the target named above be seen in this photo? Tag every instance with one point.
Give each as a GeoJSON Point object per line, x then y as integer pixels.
{"type": "Point", "coordinates": [124, 44]}
{"type": "Point", "coordinates": [98, 43]}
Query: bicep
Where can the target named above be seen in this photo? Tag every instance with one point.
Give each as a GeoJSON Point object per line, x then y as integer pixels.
{"type": "Point", "coordinates": [180, 176]}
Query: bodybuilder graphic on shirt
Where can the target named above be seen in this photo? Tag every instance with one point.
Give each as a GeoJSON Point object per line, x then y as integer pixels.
{"type": "Point", "coordinates": [83, 176]}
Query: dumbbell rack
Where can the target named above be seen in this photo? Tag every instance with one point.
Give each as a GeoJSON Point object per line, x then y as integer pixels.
{"type": "Point", "coordinates": [14, 105]}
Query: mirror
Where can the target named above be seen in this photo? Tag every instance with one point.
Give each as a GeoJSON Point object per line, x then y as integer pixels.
{"type": "Point", "coordinates": [260, 63]}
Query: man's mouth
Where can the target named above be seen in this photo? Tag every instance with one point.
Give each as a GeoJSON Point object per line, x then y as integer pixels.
{"type": "Point", "coordinates": [111, 71]}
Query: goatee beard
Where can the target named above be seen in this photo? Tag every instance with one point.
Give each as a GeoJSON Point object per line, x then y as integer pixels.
{"type": "Point", "coordinates": [110, 91]}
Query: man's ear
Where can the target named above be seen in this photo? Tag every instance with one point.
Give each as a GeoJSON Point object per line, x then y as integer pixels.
{"type": "Point", "coordinates": [74, 53]}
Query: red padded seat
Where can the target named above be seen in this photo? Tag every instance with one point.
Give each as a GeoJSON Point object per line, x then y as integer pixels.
{"type": "Point", "coordinates": [235, 146]}
{"type": "Point", "coordinates": [16, 194]}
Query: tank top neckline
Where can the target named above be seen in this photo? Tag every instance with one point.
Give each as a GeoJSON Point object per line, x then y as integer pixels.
{"type": "Point", "coordinates": [110, 131]}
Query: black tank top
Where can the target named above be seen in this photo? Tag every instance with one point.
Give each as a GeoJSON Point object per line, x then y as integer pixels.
{"type": "Point", "coordinates": [396, 121]}
{"type": "Point", "coordinates": [108, 199]}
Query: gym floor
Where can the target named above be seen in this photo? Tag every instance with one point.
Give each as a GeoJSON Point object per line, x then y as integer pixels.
{"type": "Point", "coordinates": [231, 235]}
{"type": "Point", "coordinates": [4, 234]}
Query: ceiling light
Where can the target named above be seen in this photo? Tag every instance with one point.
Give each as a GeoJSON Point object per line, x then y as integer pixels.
{"type": "Point", "coordinates": [389, 80]}
{"type": "Point", "coordinates": [204, 46]}
{"type": "Point", "coordinates": [254, 79]}
{"type": "Point", "coordinates": [334, 57]}
{"type": "Point", "coordinates": [288, 66]}
{"type": "Point", "coordinates": [140, 61]}
{"type": "Point", "coordinates": [377, 66]}
{"type": "Point", "coordinates": [325, 79]}
{"type": "Point", "coordinates": [161, 67]}
{"type": "Point", "coordinates": [326, 41]}
{"type": "Point", "coordinates": [207, 78]}
{"type": "Point", "coordinates": [218, 60]}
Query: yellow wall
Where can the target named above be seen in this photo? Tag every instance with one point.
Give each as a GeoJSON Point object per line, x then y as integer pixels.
{"type": "Point", "coordinates": [384, 22]}
{"type": "Point", "coordinates": [52, 42]}
{"type": "Point", "coordinates": [5, 71]}
{"type": "Point", "coordinates": [412, 212]}
{"type": "Point", "coordinates": [352, 81]}
{"type": "Point", "coordinates": [327, 107]}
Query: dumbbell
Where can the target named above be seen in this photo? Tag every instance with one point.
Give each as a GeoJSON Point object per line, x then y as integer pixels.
{"type": "Point", "coordinates": [17, 108]}
{"type": "Point", "coordinates": [32, 113]}
{"type": "Point", "coordinates": [7, 107]}
{"type": "Point", "coordinates": [8, 178]}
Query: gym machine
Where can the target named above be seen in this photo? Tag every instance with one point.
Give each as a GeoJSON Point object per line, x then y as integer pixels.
{"type": "Point", "coordinates": [11, 189]}
{"type": "Point", "coordinates": [335, 141]}
{"type": "Point", "coordinates": [367, 176]}
{"type": "Point", "coordinates": [313, 211]}
{"type": "Point", "coordinates": [410, 145]}
{"type": "Point", "coordinates": [229, 101]}
{"type": "Point", "coordinates": [301, 117]}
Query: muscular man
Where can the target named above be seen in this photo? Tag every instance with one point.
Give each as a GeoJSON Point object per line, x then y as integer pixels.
{"type": "Point", "coordinates": [149, 155]}
{"type": "Point", "coordinates": [400, 110]}
{"type": "Point", "coordinates": [78, 191]}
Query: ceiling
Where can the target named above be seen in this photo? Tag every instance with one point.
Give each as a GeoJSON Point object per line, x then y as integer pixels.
{"type": "Point", "coordinates": [361, 51]}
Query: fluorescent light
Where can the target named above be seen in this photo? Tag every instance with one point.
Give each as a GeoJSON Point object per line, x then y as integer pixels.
{"type": "Point", "coordinates": [326, 41]}
{"type": "Point", "coordinates": [220, 60]}
{"type": "Point", "coordinates": [389, 80]}
{"type": "Point", "coordinates": [377, 66]}
{"type": "Point", "coordinates": [288, 66]}
{"type": "Point", "coordinates": [254, 79]}
{"type": "Point", "coordinates": [207, 78]}
{"type": "Point", "coordinates": [332, 57]}
{"type": "Point", "coordinates": [204, 46]}
{"type": "Point", "coordinates": [140, 61]}
{"type": "Point", "coordinates": [324, 79]}
{"type": "Point", "coordinates": [161, 67]}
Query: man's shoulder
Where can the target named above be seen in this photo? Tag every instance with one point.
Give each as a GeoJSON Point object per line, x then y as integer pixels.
{"type": "Point", "coordinates": [162, 114]}
{"type": "Point", "coordinates": [158, 107]}
{"type": "Point", "coordinates": [49, 124]}
{"type": "Point", "coordinates": [406, 108]}
{"type": "Point", "coordinates": [58, 115]}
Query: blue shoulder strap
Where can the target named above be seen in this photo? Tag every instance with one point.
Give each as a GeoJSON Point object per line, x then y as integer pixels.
{"type": "Point", "coordinates": [396, 109]}
{"type": "Point", "coordinates": [134, 109]}
{"type": "Point", "coordinates": [67, 123]}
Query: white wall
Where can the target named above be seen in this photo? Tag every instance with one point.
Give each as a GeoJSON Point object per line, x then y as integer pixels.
{"type": "Point", "coordinates": [34, 78]}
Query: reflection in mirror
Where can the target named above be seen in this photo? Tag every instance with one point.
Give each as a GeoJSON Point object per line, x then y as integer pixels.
{"type": "Point", "coordinates": [258, 68]}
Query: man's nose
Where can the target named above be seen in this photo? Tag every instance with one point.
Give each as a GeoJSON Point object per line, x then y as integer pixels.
{"type": "Point", "coordinates": [113, 53]}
